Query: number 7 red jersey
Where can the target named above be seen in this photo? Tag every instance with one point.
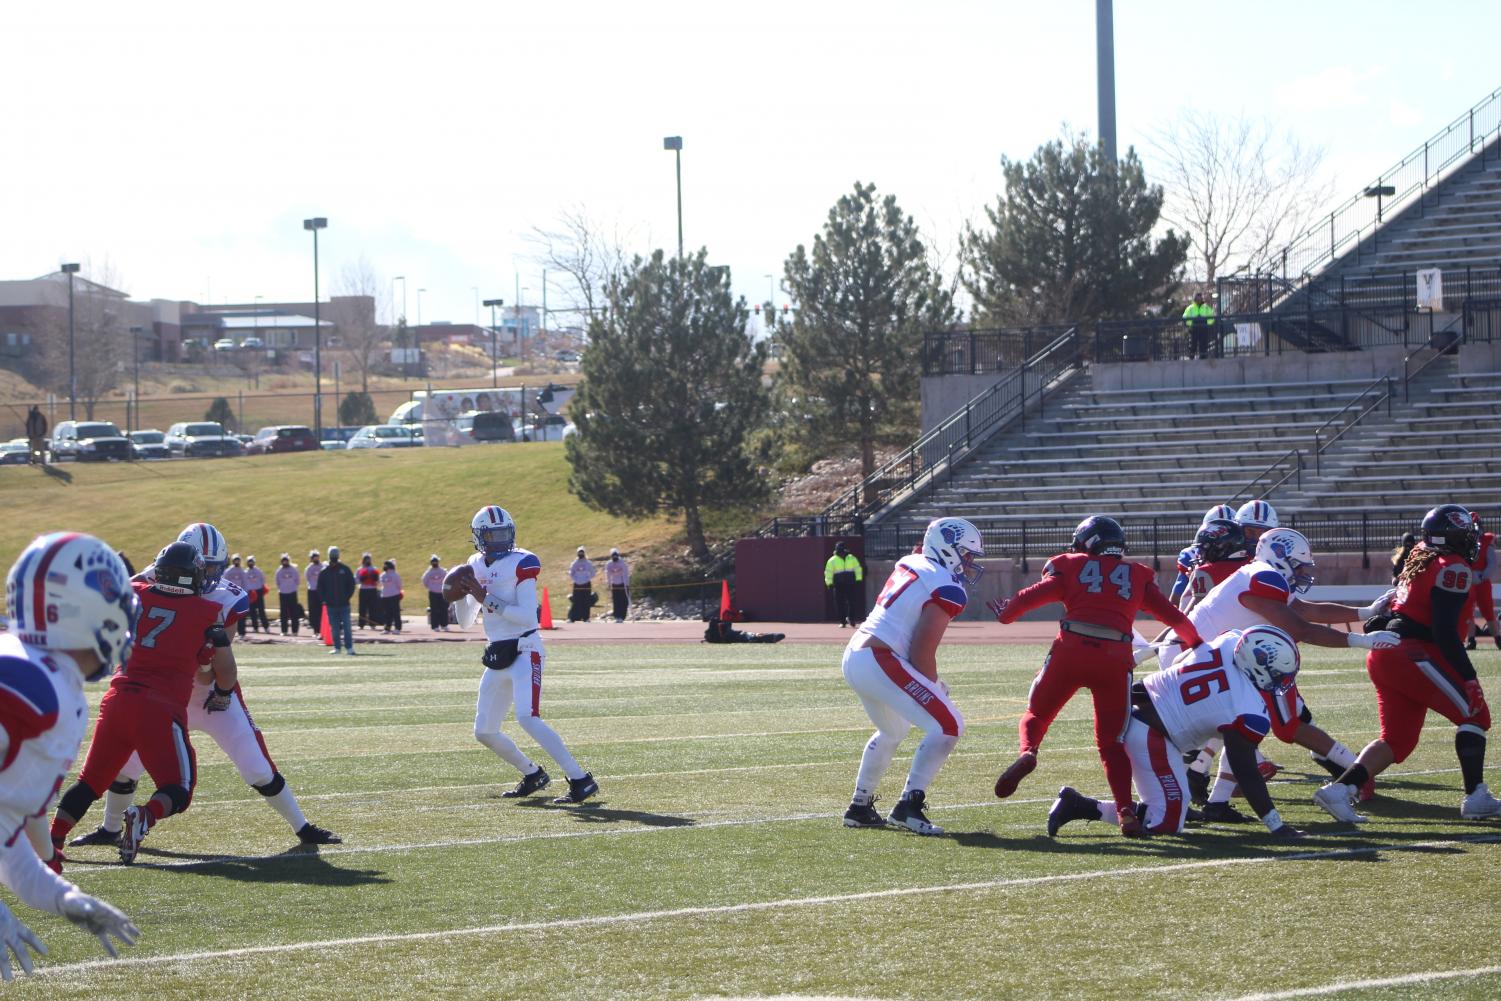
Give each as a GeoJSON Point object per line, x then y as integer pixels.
{"type": "Point", "coordinates": [1104, 591]}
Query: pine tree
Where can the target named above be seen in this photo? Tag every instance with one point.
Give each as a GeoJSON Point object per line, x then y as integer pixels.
{"type": "Point", "coordinates": [1071, 240]}
{"type": "Point", "coordinates": [357, 409]}
{"type": "Point", "coordinates": [671, 390]}
{"type": "Point", "coordinates": [863, 298]}
{"type": "Point", "coordinates": [221, 412]}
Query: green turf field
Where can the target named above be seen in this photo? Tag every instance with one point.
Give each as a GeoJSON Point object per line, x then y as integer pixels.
{"type": "Point", "coordinates": [713, 863]}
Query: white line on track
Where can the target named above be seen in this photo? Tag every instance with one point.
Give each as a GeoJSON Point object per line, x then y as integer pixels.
{"type": "Point", "coordinates": [637, 917]}
{"type": "Point", "coordinates": [1344, 986]}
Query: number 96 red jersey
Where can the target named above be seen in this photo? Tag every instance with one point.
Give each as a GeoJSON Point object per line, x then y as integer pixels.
{"type": "Point", "coordinates": [1414, 600]}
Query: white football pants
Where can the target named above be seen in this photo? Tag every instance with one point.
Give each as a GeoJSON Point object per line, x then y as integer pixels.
{"type": "Point", "coordinates": [521, 684]}
{"type": "Point", "coordinates": [896, 698]}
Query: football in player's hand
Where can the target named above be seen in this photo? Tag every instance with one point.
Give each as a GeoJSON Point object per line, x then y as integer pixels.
{"type": "Point", "coordinates": [462, 580]}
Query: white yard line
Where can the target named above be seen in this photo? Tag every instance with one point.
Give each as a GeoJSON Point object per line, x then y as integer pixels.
{"type": "Point", "coordinates": [637, 917]}
{"type": "Point", "coordinates": [1343, 986]}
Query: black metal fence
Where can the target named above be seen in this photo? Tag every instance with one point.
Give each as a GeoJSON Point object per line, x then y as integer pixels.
{"type": "Point", "coordinates": [976, 352]}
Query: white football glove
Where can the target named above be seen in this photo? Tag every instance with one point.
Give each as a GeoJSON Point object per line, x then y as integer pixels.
{"type": "Point", "coordinates": [16, 938]}
{"type": "Point", "coordinates": [1381, 639]}
{"type": "Point", "coordinates": [99, 919]}
{"type": "Point", "coordinates": [1143, 654]}
{"type": "Point", "coordinates": [1377, 607]}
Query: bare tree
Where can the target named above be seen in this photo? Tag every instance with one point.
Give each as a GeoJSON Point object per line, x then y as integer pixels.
{"type": "Point", "coordinates": [100, 342]}
{"type": "Point", "coordinates": [1237, 187]}
{"type": "Point", "coordinates": [587, 252]}
{"type": "Point", "coordinates": [357, 291]}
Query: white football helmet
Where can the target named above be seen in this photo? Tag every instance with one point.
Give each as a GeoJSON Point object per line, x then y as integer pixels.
{"type": "Point", "coordinates": [69, 591]}
{"type": "Point", "coordinates": [1268, 657]}
{"type": "Point", "coordinates": [494, 531]}
{"type": "Point", "coordinates": [1220, 512]}
{"type": "Point", "coordinates": [212, 547]}
{"type": "Point", "coordinates": [1290, 555]}
{"type": "Point", "coordinates": [1257, 514]}
{"type": "Point", "coordinates": [956, 544]}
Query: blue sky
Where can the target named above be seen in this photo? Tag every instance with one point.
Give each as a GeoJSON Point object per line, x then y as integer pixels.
{"type": "Point", "coordinates": [184, 143]}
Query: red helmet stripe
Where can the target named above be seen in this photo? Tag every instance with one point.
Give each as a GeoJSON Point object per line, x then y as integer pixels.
{"type": "Point", "coordinates": [39, 582]}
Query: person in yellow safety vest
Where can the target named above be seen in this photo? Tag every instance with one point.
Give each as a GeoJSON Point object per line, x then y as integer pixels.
{"type": "Point", "coordinates": [843, 574]}
{"type": "Point", "coordinates": [1198, 317]}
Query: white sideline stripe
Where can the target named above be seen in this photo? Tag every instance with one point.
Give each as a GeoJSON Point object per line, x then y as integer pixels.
{"type": "Point", "coordinates": [512, 838]}
{"type": "Point", "coordinates": [602, 920]}
{"type": "Point", "coordinates": [1342, 986]}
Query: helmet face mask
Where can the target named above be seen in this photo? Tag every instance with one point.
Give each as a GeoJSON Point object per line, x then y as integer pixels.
{"type": "Point", "coordinates": [69, 591]}
{"type": "Point", "coordinates": [494, 531]}
{"type": "Point", "coordinates": [955, 544]}
{"type": "Point", "coordinates": [1289, 554]}
{"type": "Point", "coordinates": [210, 543]}
{"type": "Point", "coordinates": [1268, 658]}
{"type": "Point", "coordinates": [1451, 528]}
{"type": "Point", "coordinates": [1100, 536]}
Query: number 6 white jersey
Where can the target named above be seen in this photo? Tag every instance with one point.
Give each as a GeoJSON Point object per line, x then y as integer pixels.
{"type": "Point", "coordinates": [915, 583]}
{"type": "Point", "coordinates": [1199, 697]}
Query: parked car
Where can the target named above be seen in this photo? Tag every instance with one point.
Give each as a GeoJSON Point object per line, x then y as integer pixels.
{"type": "Point", "coordinates": [282, 438]}
{"type": "Point", "coordinates": [567, 356]}
{"type": "Point", "coordinates": [200, 439]}
{"type": "Point", "coordinates": [88, 440]}
{"type": "Point", "coordinates": [243, 439]}
{"type": "Point", "coordinates": [553, 427]}
{"type": "Point", "coordinates": [13, 452]}
{"type": "Point", "coordinates": [336, 438]}
{"type": "Point", "coordinates": [487, 425]}
{"type": "Point", "coordinates": [252, 343]}
{"type": "Point", "coordinates": [382, 436]}
{"type": "Point", "coordinates": [149, 444]}
{"type": "Point", "coordinates": [224, 344]}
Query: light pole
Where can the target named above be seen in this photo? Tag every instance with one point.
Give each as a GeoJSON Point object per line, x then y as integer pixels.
{"type": "Point", "coordinates": [313, 226]}
{"type": "Point", "coordinates": [494, 354]}
{"type": "Point", "coordinates": [676, 144]}
{"type": "Point", "coordinates": [135, 352]}
{"type": "Point", "coordinates": [70, 270]}
{"type": "Point", "coordinates": [417, 333]}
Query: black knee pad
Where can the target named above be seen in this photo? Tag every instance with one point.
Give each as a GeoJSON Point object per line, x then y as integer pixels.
{"type": "Point", "coordinates": [125, 787]}
{"type": "Point", "coordinates": [276, 785]}
{"type": "Point", "coordinates": [178, 796]}
{"type": "Point", "coordinates": [77, 800]}
{"type": "Point", "coordinates": [1305, 716]}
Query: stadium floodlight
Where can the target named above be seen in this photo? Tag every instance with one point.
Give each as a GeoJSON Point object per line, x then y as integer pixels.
{"type": "Point", "coordinates": [675, 144]}
{"type": "Point", "coordinates": [494, 357]}
{"type": "Point", "coordinates": [313, 226]}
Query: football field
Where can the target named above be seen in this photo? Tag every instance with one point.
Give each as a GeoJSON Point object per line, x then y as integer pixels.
{"type": "Point", "coordinates": [713, 862]}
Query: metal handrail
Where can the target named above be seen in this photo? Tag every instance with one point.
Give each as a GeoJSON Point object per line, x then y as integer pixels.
{"type": "Point", "coordinates": [1318, 247]}
{"type": "Point", "coordinates": [1438, 353]}
{"type": "Point", "coordinates": [1246, 490]}
{"type": "Point", "coordinates": [1318, 431]}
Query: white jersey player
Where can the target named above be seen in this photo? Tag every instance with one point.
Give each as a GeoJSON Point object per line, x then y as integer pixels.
{"type": "Point", "coordinates": [1211, 692]}
{"type": "Point", "coordinates": [506, 577]}
{"type": "Point", "coordinates": [891, 664]}
{"type": "Point", "coordinates": [220, 714]}
{"type": "Point", "coordinates": [72, 616]}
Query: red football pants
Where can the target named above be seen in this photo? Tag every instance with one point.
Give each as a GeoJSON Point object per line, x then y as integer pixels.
{"type": "Point", "coordinates": [1103, 667]}
{"type": "Point", "coordinates": [1411, 680]}
{"type": "Point", "coordinates": [136, 721]}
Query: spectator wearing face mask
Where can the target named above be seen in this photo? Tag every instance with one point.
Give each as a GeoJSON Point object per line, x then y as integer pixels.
{"type": "Point", "coordinates": [618, 576]}
{"type": "Point", "coordinates": [390, 597]}
{"type": "Point", "coordinates": [255, 584]}
{"type": "Point", "coordinates": [289, 613]}
{"type": "Point", "coordinates": [437, 608]}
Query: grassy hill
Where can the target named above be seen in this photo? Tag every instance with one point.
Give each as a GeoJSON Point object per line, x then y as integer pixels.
{"type": "Point", "coordinates": [404, 503]}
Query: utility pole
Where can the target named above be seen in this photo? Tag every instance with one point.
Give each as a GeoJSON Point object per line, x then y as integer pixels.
{"type": "Point", "coordinates": [1104, 28]}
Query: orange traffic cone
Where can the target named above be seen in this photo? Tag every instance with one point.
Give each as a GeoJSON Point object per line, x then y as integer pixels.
{"type": "Point", "coordinates": [724, 599]}
{"type": "Point", "coordinates": [325, 632]}
{"type": "Point", "coordinates": [545, 622]}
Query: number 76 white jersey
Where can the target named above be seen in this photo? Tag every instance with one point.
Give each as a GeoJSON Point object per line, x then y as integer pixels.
{"type": "Point", "coordinates": [1201, 696]}
{"type": "Point", "coordinates": [915, 583]}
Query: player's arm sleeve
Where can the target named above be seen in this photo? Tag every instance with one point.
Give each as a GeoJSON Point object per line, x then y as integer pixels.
{"type": "Point", "coordinates": [523, 612]}
{"type": "Point", "coordinates": [29, 879]}
{"type": "Point", "coordinates": [1448, 606]}
{"type": "Point", "coordinates": [1160, 608]}
{"type": "Point", "coordinates": [1240, 752]}
{"type": "Point", "coordinates": [1045, 591]}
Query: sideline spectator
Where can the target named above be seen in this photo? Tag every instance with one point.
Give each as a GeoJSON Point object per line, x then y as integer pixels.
{"type": "Point", "coordinates": [336, 586]}
{"type": "Point", "coordinates": [314, 599]}
{"type": "Point", "coordinates": [235, 574]}
{"type": "Point", "coordinates": [287, 580]}
{"type": "Point", "coordinates": [390, 596]}
{"type": "Point", "coordinates": [437, 608]}
{"type": "Point", "coordinates": [255, 583]}
{"type": "Point", "coordinates": [1198, 317]}
{"type": "Point", "coordinates": [36, 436]}
{"type": "Point", "coordinates": [581, 572]}
{"type": "Point", "coordinates": [843, 574]}
{"type": "Point", "coordinates": [1399, 557]}
{"type": "Point", "coordinates": [618, 575]}
{"type": "Point", "coordinates": [369, 579]}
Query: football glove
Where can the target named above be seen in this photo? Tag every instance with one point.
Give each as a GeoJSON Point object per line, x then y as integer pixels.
{"type": "Point", "coordinates": [1381, 639]}
{"type": "Point", "coordinates": [99, 919]}
{"type": "Point", "coordinates": [218, 700]}
{"type": "Point", "coordinates": [1377, 607]}
{"type": "Point", "coordinates": [16, 938]}
{"type": "Point", "coordinates": [1476, 696]}
{"type": "Point", "coordinates": [998, 606]}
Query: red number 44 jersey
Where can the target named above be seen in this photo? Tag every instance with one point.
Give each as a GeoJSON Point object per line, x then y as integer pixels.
{"type": "Point", "coordinates": [1104, 590]}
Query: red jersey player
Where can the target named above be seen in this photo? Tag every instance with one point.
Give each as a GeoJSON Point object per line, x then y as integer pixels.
{"type": "Point", "coordinates": [145, 709]}
{"type": "Point", "coordinates": [1101, 594]}
{"type": "Point", "coordinates": [1482, 598]}
{"type": "Point", "coordinates": [1222, 550]}
{"type": "Point", "coordinates": [1428, 669]}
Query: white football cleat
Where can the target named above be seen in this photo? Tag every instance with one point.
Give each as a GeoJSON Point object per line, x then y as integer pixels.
{"type": "Point", "coordinates": [1339, 802]}
{"type": "Point", "coordinates": [1480, 804]}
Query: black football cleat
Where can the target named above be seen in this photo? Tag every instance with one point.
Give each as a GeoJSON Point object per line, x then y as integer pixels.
{"type": "Point", "coordinates": [1224, 813]}
{"type": "Point", "coordinates": [579, 789]}
{"type": "Point", "coordinates": [533, 782]}
{"type": "Point", "coordinates": [909, 813]}
{"type": "Point", "coordinates": [1070, 805]}
{"type": "Point", "coordinates": [1198, 787]}
{"type": "Point", "coordinates": [98, 836]}
{"type": "Point", "coordinates": [863, 815]}
{"type": "Point", "coordinates": [312, 834]}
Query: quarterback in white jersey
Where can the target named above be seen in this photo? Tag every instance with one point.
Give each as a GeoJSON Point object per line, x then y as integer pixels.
{"type": "Point", "coordinates": [1213, 692]}
{"type": "Point", "coordinates": [221, 715]}
{"type": "Point", "coordinates": [73, 616]}
{"type": "Point", "coordinates": [502, 580]}
{"type": "Point", "coordinates": [890, 663]}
